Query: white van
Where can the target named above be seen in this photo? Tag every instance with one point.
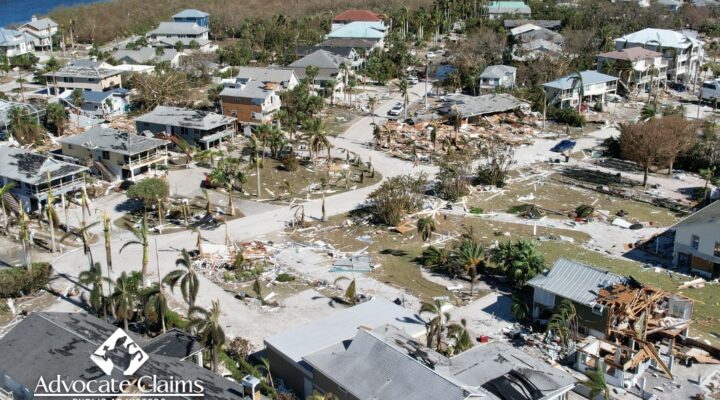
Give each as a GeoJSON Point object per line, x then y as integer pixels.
{"type": "Point", "coordinates": [710, 91]}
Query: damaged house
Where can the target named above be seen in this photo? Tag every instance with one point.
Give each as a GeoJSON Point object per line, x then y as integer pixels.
{"type": "Point", "coordinates": [626, 326]}
{"type": "Point", "coordinates": [473, 108]}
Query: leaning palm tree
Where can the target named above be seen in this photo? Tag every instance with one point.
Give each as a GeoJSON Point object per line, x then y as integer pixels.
{"type": "Point", "coordinates": [186, 278]}
{"type": "Point", "coordinates": [93, 277]}
{"type": "Point", "coordinates": [265, 367]}
{"type": "Point", "coordinates": [470, 256]}
{"type": "Point", "coordinates": [563, 323]}
{"type": "Point", "coordinates": [4, 192]}
{"type": "Point", "coordinates": [425, 228]}
{"type": "Point", "coordinates": [107, 236]}
{"type": "Point", "coordinates": [123, 299]}
{"type": "Point", "coordinates": [596, 383]}
{"type": "Point", "coordinates": [460, 336]}
{"type": "Point", "coordinates": [155, 304]}
{"type": "Point", "coordinates": [142, 237]}
{"type": "Point", "coordinates": [350, 295]}
{"type": "Point", "coordinates": [206, 324]}
{"type": "Point", "coordinates": [403, 87]}
{"type": "Point", "coordinates": [437, 324]}
{"type": "Point", "coordinates": [83, 232]}
{"type": "Point", "coordinates": [53, 220]}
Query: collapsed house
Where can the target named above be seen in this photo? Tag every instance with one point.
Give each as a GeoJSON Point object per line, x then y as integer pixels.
{"type": "Point", "coordinates": [627, 326]}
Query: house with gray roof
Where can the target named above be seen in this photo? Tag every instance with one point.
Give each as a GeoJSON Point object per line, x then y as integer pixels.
{"type": "Point", "coordinates": [697, 242]}
{"type": "Point", "coordinates": [473, 107]}
{"type": "Point", "coordinates": [566, 92]}
{"type": "Point", "coordinates": [30, 171]}
{"type": "Point", "coordinates": [252, 97]}
{"type": "Point", "coordinates": [14, 43]}
{"type": "Point", "coordinates": [148, 55]}
{"type": "Point", "coordinates": [115, 154]}
{"type": "Point", "coordinates": [386, 364]}
{"type": "Point", "coordinates": [498, 76]}
{"type": "Point", "coordinates": [288, 351]}
{"type": "Point", "coordinates": [553, 24]}
{"type": "Point", "coordinates": [52, 346]}
{"type": "Point", "coordinates": [285, 78]}
{"type": "Point", "coordinates": [106, 104]}
{"type": "Point", "coordinates": [579, 283]}
{"type": "Point", "coordinates": [199, 128]}
{"type": "Point", "coordinates": [41, 30]}
{"type": "Point", "coordinates": [328, 64]}
{"type": "Point", "coordinates": [637, 67]}
{"type": "Point", "coordinates": [169, 33]}
{"type": "Point", "coordinates": [71, 77]}
{"type": "Point", "coordinates": [193, 16]}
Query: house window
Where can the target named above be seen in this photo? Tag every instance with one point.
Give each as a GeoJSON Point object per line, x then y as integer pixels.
{"type": "Point", "coordinates": [695, 241]}
{"type": "Point", "coordinates": [105, 155]}
{"type": "Point", "coordinates": [597, 309]}
{"type": "Point", "coordinates": [233, 113]}
{"type": "Point", "coordinates": [70, 147]}
{"type": "Point", "coordinates": [716, 252]}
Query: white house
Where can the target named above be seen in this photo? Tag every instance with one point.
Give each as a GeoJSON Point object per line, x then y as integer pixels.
{"type": "Point", "coordinates": [14, 43]}
{"type": "Point", "coordinates": [635, 66]}
{"type": "Point", "coordinates": [349, 16]}
{"type": "Point", "coordinates": [168, 34]}
{"type": "Point", "coordinates": [682, 50]}
{"type": "Point", "coordinates": [566, 91]}
{"type": "Point", "coordinates": [41, 31]}
{"type": "Point", "coordinates": [149, 55]}
{"type": "Point", "coordinates": [697, 242]}
{"type": "Point", "coordinates": [498, 76]}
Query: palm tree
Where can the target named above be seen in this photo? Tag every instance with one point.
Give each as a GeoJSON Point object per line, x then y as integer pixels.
{"type": "Point", "coordinates": [707, 174]}
{"type": "Point", "coordinates": [93, 276]}
{"type": "Point", "coordinates": [24, 224]}
{"type": "Point", "coordinates": [470, 256]}
{"type": "Point", "coordinates": [186, 278]}
{"type": "Point", "coordinates": [77, 98]}
{"type": "Point", "coordinates": [372, 103]}
{"type": "Point", "coordinates": [142, 237]}
{"type": "Point", "coordinates": [519, 308]}
{"type": "Point", "coordinates": [437, 325]}
{"type": "Point", "coordinates": [311, 72]}
{"type": "Point", "coordinates": [5, 191]}
{"type": "Point", "coordinates": [155, 303]}
{"type": "Point", "coordinates": [350, 292]}
{"type": "Point", "coordinates": [403, 87]}
{"type": "Point", "coordinates": [520, 260]}
{"type": "Point", "coordinates": [316, 136]}
{"type": "Point", "coordinates": [563, 323]}
{"type": "Point", "coordinates": [123, 299]}
{"type": "Point", "coordinates": [460, 336]}
{"type": "Point", "coordinates": [577, 79]}
{"type": "Point", "coordinates": [377, 134]}
{"type": "Point", "coordinates": [596, 382]}
{"type": "Point", "coordinates": [57, 117]}
{"type": "Point", "coordinates": [425, 228]}
{"type": "Point", "coordinates": [345, 71]}
{"type": "Point", "coordinates": [206, 324]}
{"type": "Point", "coordinates": [53, 220]}
{"type": "Point", "coordinates": [324, 396]}
{"type": "Point", "coordinates": [21, 81]}
{"type": "Point", "coordinates": [265, 367]}
{"type": "Point", "coordinates": [610, 67]}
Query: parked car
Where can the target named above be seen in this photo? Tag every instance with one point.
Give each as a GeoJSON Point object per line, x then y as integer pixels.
{"type": "Point", "coordinates": [710, 91]}
{"type": "Point", "coordinates": [563, 146]}
{"type": "Point", "coordinates": [413, 80]}
{"type": "Point", "coordinates": [396, 110]}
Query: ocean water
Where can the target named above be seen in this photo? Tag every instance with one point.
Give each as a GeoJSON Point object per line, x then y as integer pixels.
{"type": "Point", "coordinates": [15, 11]}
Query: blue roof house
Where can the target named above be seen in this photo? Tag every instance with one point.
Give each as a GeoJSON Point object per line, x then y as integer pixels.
{"type": "Point", "coordinates": [366, 30]}
{"type": "Point", "coordinates": [565, 92]}
{"type": "Point", "coordinates": [192, 15]}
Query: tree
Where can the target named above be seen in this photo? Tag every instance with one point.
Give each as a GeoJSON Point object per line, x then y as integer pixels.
{"type": "Point", "coordinates": [647, 144]}
{"type": "Point", "coordinates": [520, 260]}
{"type": "Point", "coordinates": [577, 81]}
{"type": "Point", "coordinates": [437, 325]}
{"type": "Point", "coordinates": [311, 72]}
{"type": "Point", "coordinates": [317, 137]}
{"type": "Point", "coordinates": [596, 382]}
{"type": "Point", "coordinates": [5, 192]}
{"type": "Point", "coordinates": [77, 98]}
{"type": "Point", "coordinates": [142, 237]}
{"type": "Point", "coordinates": [519, 308]}
{"type": "Point", "coordinates": [155, 304]}
{"type": "Point", "coordinates": [460, 336]}
{"type": "Point", "coordinates": [24, 127]}
{"type": "Point", "coordinates": [495, 159]}
{"type": "Point", "coordinates": [403, 87]}
{"type": "Point", "coordinates": [186, 278]}
{"type": "Point", "coordinates": [57, 117]}
{"type": "Point", "coordinates": [453, 178]}
{"type": "Point", "coordinates": [372, 103]}
{"type": "Point", "coordinates": [397, 196]}
{"type": "Point", "coordinates": [169, 88]}
{"type": "Point", "coordinates": [151, 191]}
{"type": "Point", "coordinates": [425, 228]}
{"type": "Point", "coordinates": [24, 232]}
{"type": "Point", "coordinates": [206, 324]}
{"type": "Point", "coordinates": [681, 133]}
{"type": "Point", "coordinates": [123, 298]}
{"type": "Point", "coordinates": [227, 174]}
{"type": "Point", "coordinates": [107, 238]}
{"type": "Point", "coordinates": [94, 277]}
{"type": "Point", "coordinates": [469, 256]}
{"type": "Point", "coordinates": [21, 81]}
{"type": "Point", "coordinates": [563, 323]}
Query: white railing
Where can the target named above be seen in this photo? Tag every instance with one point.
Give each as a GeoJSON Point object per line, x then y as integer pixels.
{"type": "Point", "coordinates": [147, 158]}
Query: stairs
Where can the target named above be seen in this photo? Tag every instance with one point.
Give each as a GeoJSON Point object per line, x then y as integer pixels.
{"type": "Point", "coordinates": [106, 173]}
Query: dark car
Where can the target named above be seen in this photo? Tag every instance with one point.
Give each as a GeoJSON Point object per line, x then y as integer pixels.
{"type": "Point", "coordinates": [563, 146]}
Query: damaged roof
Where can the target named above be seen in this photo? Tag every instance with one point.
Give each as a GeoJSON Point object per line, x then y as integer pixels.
{"type": "Point", "coordinates": [32, 168]}
{"type": "Point", "coordinates": [174, 343]}
{"type": "Point", "coordinates": [576, 281]}
{"type": "Point", "coordinates": [472, 106]}
{"type": "Point", "coordinates": [185, 117]}
{"type": "Point", "coordinates": [73, 71]}
{"type": "Point", "coordinates": [709, 214]}
{"type": "Point", "coordinates": [631, 54]}
{"type": "Point", "coordinates": [114, 141]}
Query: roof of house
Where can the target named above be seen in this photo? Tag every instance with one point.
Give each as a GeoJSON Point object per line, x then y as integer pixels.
{"type": "Point", "coordinates": [539, 45]}
{"type": "Point", "coordinates": [178, 28]}
{"type": "Point", "coordinates": [94, 96]}
{"type": "Point", "coordinates": [114, 141]}
{"type": "Point", "coordinates": [542, 23]}
{"type": "Point", "coordinates": [472, 106]}
{"type": "Point", "coordinates": [588, 78]}
{"type": "Point", "coordinates": [709, 214]}
{"type": "Point", "coordinates": [359, 30]}
{"type": "Point", "coordinates": [345, 52]}
{"type": "Point", "coordinates": [11, 37]}
{"type": "Point", "coordinates": [631, 54]}
{"type": "Point", "coordinates": [191, 13]}
{"type": "Point", "coordinates": [41, 24]}
{"type": "Point", "coordinates": [335, 328]}
{"type": "Point", "coordinates": [357, 15]}
{"type": "Point", "coordinates": [497, 71]}
{"type": "Point", "coordinates": [348, 42]}
{"type": "Point", "coordinates": [87, 62]}
{"type": "Point", "coordinates": [279, 75]}
{"type": "Point", "coordinates": [322, 59]}
{"type": "Point", "coordinates": [540, 33]}
{"type": "Point", "coordinates": [185, 117]}
{"type": "Point", "coordinates": [249, 90]}
{"type": "Point", "coordinates": [171, 42]}
{"type": "Point", "coordinates": [508, 373]}
{"type": "Point", "coordinates": [575, 281]}
{"type": "Point", "coordinates": [145, 55]}
{"type": "Point", "coordinates": [60, 344]}
{"type": "Point", "coordinates": [75, 71]}
{"type": "Point", "coordinates": [174, 343]}
{"type": "Point", "coordinates": [508, 7]}
{"type": "Point", "coordinates": [373, 368]}
{"type": "Point", "coordinates": [33, 168]}
{"type": "Point", "coordinates": [675, 3]}
{"type": "Point", "coordinates": [666, 37]}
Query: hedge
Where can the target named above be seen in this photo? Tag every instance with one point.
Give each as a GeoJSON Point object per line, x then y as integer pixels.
{"type": "Point", "coordinates": [16, 282]}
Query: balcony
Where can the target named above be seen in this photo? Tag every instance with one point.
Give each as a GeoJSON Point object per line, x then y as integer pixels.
{"type": "Point", "coordinates": [142, 160]}
{"type": "Point", "coordinates": [63, 186]}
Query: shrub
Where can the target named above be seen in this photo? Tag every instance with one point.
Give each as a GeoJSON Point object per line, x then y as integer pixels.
{"type": "Point", "coordinates": [568, 116]}
{"type": "Point", "coordinates": [17, 282]}
{"type": "Point", "coordinates": [397, 196]}
{"type": "Point", "coordinates": [598, 107]}
{"type": "Point", "coordinates": [476, 210]}
{"type": "Point", "coordinates": [149, 190]}
{"type": "Point", "coordinates": [285, 278]}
